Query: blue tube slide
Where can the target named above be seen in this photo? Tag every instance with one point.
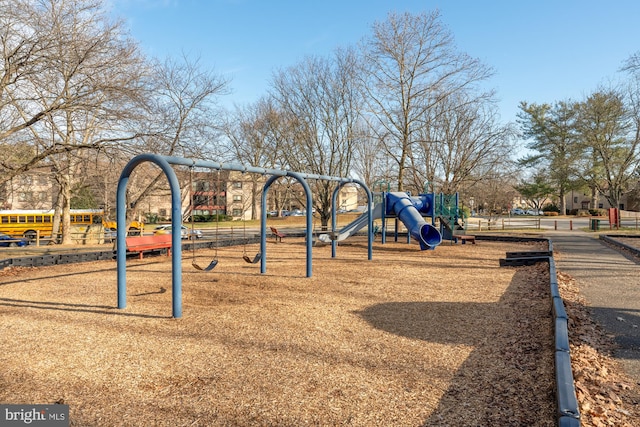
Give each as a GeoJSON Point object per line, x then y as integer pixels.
{"type": "Point", "coordinates": [401, 205]}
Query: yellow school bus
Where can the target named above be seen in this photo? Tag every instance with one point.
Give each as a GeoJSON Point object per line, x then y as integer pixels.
{"type": "Point", "coordinates": [27, 223]}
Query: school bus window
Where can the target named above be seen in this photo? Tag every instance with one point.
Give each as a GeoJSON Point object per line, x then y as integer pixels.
{"type": "Point", "coordinates": [38, 218]}
{"type": "Point", "coordinates": [31, 219]}
{"type": "Point", "coordinates": [47, 218]}
{"type": "Point", "coordinates": [87, 218]}
{"type": "Point", "coordinates": [13, 219]}
{"type": "Point", "coordinates": [22, 219]}
{"type": "Point", "coordinates": [5, 219]}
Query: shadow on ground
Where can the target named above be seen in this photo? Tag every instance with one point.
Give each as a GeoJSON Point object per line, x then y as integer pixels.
{"type": "Point", "coordinates": [512, 338]}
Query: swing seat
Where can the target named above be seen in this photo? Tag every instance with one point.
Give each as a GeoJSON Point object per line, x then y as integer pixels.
{"type": "Point", "coordinates": [210, 267]}
{"type": "Point", "coordinates": [254, 260]}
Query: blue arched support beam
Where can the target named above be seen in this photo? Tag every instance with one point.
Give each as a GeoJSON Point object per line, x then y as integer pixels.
{"type": "Point", "coordinates": [334, 202]}
{"type": "Point", "coordinates": [176, 223]}
{"type": "Point", "coordinates": [263, 221]}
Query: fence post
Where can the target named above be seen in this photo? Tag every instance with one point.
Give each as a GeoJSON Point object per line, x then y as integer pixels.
{"type": "Point", "coordinates": [555, 224]}
{"type": "Point", "coordinates": [571, 225]}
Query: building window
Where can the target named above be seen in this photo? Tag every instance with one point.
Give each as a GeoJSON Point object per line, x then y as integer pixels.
{"type": "Point", "coordinates": [237, 212]}
{"type": "Point", "coordinates": [237, 184]}
{"type": "Point", "coordinates": [25, 196]}
{"type": "Point", "coordinates": [575, 199]}
{"type": "Point", "coordinates": [237, 198]}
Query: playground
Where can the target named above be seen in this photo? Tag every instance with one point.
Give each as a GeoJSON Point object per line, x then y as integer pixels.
{"type": "Point", "coordinates": [444, 337]}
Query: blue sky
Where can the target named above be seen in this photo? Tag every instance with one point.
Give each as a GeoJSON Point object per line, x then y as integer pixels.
{"type": "Point", "coordinates": [541, 51]}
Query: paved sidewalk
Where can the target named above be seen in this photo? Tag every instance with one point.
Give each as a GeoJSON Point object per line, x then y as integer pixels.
{"type": "Point", "coordinates": [610, 282]}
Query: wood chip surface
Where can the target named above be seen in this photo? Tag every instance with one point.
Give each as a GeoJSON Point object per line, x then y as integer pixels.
{"type": "Point", "coordinates": [410, 338]}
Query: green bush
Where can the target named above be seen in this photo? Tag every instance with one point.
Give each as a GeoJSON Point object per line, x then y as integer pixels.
{"type": "Point", "coordinates": [465, 212]}
{"type": "Point", "coordinates": [210, 218]}
{"type": "Point", "coordinates": [151, 218]}
{"type": "Point", "coordinates": [551, 208]}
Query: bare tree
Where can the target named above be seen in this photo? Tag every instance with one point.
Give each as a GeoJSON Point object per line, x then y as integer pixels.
{"type": "Point", "coordinates": [494, 194]}
{"type": "Point", "coordinates": [370, 161]}
{"type": "Point", "coordinates": [26, 45]}
{"type": "Point", "coordinates": [321, 104]}
{"type": "Point", "coordinates": [411, 65]}
{"type": "Point", "coordinates": [184, 118]}
{"type": "Point", "coordinates": [254, 133]}
{"type": "Point", "coordinates": [460, 142]}
{"type": "Point", "coordinates": [75, 95]}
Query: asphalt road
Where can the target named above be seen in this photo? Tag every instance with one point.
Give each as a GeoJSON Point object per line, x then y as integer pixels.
{"type": "Point", "coordinates": [610, 283]}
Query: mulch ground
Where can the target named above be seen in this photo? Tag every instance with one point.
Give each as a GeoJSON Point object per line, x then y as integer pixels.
{"type": "Point", "coordinates": [411, 338]}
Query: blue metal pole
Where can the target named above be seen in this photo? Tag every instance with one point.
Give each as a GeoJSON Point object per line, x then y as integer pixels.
{"type": "Point", "coordinates": [176, 223]}
{"type": "Point", "coordinates": [121, 245]}
{"type": "Point", "coordinates": [263, 224]}
{"type": "Point", "coordinates": [334, 219]}
{"type": "Point", "coordinates": [307, 191]}
{"type": "Point", "coordinates": [370, 213]}
{"type": "Point", "coordinates": [334, 200]}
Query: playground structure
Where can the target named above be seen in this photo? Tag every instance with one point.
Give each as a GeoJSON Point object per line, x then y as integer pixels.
{"type": "Point", "coordinates": [410, 210]}
{"type": "Point", "coordinates": [165, 164]}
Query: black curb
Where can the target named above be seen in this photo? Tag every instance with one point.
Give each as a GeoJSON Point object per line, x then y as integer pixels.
{"type": "Point", "coordinates": [48, 260]}
{"type": "Point", "coordinates": [610, 238]}
{"type": "Point", "coordinates": [568, 411]}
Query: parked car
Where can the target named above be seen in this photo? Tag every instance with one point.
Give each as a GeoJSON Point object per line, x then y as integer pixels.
{"type": "Point", "coordinates": [185, 232]}
{"type": "Point", "coordinates": [110, 234]}
{"type": "Point", "coordinates": [517, 211]}
{"type": "Point", "coordinates": [533, 212]}
{"type": "Point", "coordinates": [8, 241]}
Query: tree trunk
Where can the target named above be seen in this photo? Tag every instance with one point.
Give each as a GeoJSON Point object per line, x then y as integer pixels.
{"type": "Point", "coordinates": [594, 197]}
{"type": "Point", "coordinates": [65, 194]}
{"type": "Point", "coordinates": [563, 202]}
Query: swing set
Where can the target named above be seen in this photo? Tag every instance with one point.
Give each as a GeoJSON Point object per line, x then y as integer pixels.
{"type": "Point", "coordinates": [166, 163]}
{"type": "Point", "coordinates": [214, 261]}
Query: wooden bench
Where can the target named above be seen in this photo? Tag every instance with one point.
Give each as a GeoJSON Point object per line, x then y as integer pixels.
{"type": "Point", "coordinates": [276, 234]}
{"type": "Point", "coordinates": [466, 238]}
{"type": "Point", "coordinates": [142, 244]}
